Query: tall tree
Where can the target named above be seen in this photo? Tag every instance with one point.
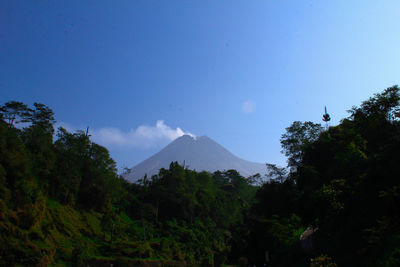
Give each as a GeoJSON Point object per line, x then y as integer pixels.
{"type": "Point", "coordinates": [42, 116]}
{"type": "Point", "coordinates": [297, 138]}
{"type": "Point", "coordinates": [14, 112]}
{"type": "Point", "coordinates": [38, 138]}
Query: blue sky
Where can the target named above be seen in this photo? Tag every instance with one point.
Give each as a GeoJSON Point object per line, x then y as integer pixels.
{"type": "Point", "coordinates": [141, 73]}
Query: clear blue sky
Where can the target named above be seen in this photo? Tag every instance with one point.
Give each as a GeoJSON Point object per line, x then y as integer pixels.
{"type": "Point", "coordinates": [239, 72]}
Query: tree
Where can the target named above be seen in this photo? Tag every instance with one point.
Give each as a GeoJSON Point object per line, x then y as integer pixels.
{"type": "Point", "coordinates": [14, 112]}
{"type": "Point", "coordinates": [42, 116]}
{"type": "Point", "coordinates": [71, 150]}
{"type": "Point", "coordinates": [38, 139]}
{"type": "Point", "coordinates": [15, 171]}
{"type": "Point", "coordinates": [297, 138]}
{"type": "Point", "coordinates": [276, 173]}
{"type": "Point", "coordinates": [99, 178]}
{"type": "Point", "coordinates": [384, 105]}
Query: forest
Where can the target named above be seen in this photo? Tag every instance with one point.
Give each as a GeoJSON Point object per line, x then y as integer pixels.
{"type": "Point", "coordinates": [337, 203]}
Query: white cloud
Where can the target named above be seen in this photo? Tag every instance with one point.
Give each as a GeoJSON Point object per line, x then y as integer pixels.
{"type": "Point", "coordinates": [161, 130]}
{"type": "Point", "coordinates": [249, 107]}
{"type": "Point", "coordinates": [143, 136]}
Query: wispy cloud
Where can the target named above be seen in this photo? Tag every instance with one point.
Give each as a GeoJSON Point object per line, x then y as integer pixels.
{"type": "Point", "coordinates": [144, 136]}
{"type": "Point", "coordinates": [249, 107]}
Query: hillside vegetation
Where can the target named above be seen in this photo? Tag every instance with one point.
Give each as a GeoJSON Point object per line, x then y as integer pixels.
{"type": "Point", "coordinates": [63, 204]}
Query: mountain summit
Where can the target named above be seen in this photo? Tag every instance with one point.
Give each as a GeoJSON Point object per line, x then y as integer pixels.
{"type": "Point", "coordinates": [200, 154]}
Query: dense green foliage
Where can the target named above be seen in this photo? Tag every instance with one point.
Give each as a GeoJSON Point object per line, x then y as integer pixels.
{"type": "Point", "coordinates": [344, 182]}
{"type": "Point", "coordinates": [62, 202]}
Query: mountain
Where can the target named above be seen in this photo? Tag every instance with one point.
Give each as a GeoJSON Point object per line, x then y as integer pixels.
{"type": "Point", "coordinates": [198, 154]}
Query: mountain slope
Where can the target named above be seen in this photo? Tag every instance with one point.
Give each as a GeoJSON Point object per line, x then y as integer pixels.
{"type": "Point", "coordinates": [199, 154]}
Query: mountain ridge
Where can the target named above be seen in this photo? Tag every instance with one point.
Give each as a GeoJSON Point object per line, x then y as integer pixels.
{"type": "Point", "coordinates": [197, 153]}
